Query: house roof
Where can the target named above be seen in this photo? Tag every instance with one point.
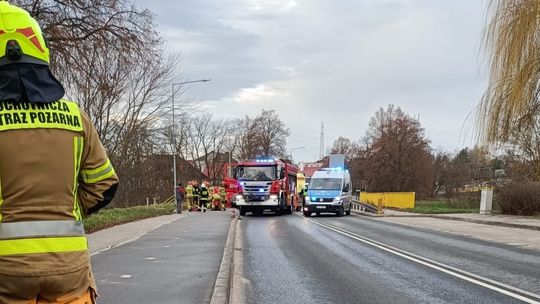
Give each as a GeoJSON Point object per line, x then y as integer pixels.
{"type": "Point", "coordinates": [311, 168]}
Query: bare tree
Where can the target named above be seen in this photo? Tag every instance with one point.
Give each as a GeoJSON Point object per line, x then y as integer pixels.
{"type": "Point", "coordinates": [342, 145]}
{"type": "Point", "coordinates": [271, 133]}
{"type": "Point", "coordinates": [246, 137]}
{"type": "Point", "coordinates": [399, 157]}
{"type": "Point", "coordinates": [523, 155]}
{"type": "Point", "coordinates": [116, 25]}
{"type": "Point", "coordinates": [266, 134]}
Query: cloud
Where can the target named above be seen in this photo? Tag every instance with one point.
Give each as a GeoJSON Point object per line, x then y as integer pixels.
{"type": "Point", "coordinates": [332, 61]}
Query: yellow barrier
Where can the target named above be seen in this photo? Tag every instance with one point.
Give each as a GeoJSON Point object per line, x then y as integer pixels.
{"type": "Point", "coordinates": [401, 200]}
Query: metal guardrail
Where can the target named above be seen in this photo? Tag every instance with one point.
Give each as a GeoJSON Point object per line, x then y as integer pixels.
{"type": "Point", "coordinates": [169, 200]}
{"type": "Point", "coordinates": [359, 206]}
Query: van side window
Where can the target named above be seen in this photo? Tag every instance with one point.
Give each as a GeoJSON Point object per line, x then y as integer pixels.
{"type": "Point", "coordinates": [347, 184]}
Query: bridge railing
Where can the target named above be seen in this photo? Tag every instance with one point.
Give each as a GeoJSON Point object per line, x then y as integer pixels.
{"type": "Point", "coordinates": [366, 207]}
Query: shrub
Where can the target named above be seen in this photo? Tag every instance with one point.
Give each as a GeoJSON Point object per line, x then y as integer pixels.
{"type": "Point", "coordinates": [519, 198]}
{"type": "Point", "coordinates": [468, 200]}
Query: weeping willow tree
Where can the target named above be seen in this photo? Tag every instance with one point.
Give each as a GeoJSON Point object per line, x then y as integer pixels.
{"type": "Point", "coordinates": [512, 43]}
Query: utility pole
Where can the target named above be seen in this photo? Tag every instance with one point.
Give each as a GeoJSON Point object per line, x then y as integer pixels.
{"type": "Point", "coordinates": [321, 153]}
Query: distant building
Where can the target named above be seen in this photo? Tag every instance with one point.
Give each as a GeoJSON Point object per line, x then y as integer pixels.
{"type": "Point", "coordinates": [156, 177]}
{"type": "Point", "coordinates": [213, 164]}
{"type": "Point", "coordinates": [309, 168]}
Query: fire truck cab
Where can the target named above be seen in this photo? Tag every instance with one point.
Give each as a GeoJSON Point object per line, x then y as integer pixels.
{"type": "Point", "coordinates": [265, 184]}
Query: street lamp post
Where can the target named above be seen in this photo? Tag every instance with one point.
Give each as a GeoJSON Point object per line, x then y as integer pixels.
{"type": "Point", "coordinates": [297, 148]}
{"type": "Point", "coordinates": [174, 124]}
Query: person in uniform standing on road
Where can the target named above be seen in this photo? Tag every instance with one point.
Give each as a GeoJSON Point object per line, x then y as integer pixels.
{"type": "Point", "coordinates": [203, 197]}
{"type": "Point", "coordinates": [53, 171]}
{"type": "Point", "coordinates": [180, 195]}
{"type": "Point", "coordinates": [189, 196]}
{"type": "Point", "coordinates": [303, 194]}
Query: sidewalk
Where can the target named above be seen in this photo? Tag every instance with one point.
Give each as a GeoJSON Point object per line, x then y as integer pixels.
{"type": "Point", "coordinates": [175, 263]}
{"type": "Point", "coordinates": [512, 221]}
{"type": "Point", "coordinates": [102, 240]}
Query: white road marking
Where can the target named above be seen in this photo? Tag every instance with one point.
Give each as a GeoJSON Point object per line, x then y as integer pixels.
{"type": "Point", "coordinates": [150, 259]}
{"type": "Point", "coordinates": [456, 272]}
{"type": "Point", "coordinates": [126, 276]}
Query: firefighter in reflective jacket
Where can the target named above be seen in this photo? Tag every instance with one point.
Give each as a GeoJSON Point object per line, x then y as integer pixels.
{"type": "Point", "coordinates": [203, 197]}
{"type": "Point", "coordinates": [53, 171]}
{"type": "Point", "coordinates": [189, 196]}
{"type": "Point", "coordinates": [223, 195]}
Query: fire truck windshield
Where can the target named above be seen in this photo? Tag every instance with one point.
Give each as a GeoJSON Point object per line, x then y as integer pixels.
{"type": "Point", "coordinates": [259, 173]}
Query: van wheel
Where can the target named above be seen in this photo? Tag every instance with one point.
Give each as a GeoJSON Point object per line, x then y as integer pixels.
{"type": "Point", "coordinates": [318, 214]}
{"type": "Point", "coordinates": [340, 212]}
{"type": "Point", "coordinates": [242, 211]}
{"type": "Point", "coordinates": [349, 211]}
{"type": "Point", "coordinates": [307, 213]}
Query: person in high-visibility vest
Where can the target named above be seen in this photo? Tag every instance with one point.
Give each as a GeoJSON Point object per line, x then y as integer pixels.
{"type": "Point", "coordinates": [196, 195]}
{"type": "Point", "coordinates": [223, 195]}
{"type": "Point", "coordinates": [189, 196]}
{"type": "Point", "coordinates": [303, 194]}
{"type": "Point", "coordinates": [53, 171]}
{"type": "Point", "coordinates": [203, 197]}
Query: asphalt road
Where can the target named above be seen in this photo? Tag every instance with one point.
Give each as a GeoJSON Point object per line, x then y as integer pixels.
{"type": "Point", "coordinates": [290, 259]}
{"type": "Point", "coordinates": [176, 263]}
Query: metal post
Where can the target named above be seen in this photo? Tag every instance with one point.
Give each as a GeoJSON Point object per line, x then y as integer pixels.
{"type": "Point", "coordinates": [486, 201]}
{"type": "Point", "coordinates": [147, 201]}
{"type": "Point", "coordinates": [174, 143]}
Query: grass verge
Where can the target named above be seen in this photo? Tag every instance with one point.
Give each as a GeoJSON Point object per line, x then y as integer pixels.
{"type": "Point", "coordinates": [444, 207]}
{"type": "Point", "coordinates": [116, 216]}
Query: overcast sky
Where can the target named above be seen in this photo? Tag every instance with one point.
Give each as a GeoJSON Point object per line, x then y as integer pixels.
{"type": "Point", "coordinates": [335, 61]}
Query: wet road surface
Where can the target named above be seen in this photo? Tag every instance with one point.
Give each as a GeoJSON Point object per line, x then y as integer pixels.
{"type": "Point", "coordinates": [292, 259]}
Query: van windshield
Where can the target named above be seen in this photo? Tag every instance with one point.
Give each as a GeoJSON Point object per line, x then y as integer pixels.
{"type": "Point", "coordinates": [325, 184]}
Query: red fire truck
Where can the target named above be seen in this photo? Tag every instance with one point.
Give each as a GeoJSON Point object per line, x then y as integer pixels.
{"type": "Point", "coordinates": [261, 184]}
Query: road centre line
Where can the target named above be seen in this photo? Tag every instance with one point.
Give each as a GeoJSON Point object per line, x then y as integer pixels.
{"type": "Point", "coordinates": [502, 288]}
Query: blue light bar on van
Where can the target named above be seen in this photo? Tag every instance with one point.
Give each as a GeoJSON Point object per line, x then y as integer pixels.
{"type": "Point", "coordinates": [332, 169]}
{"type": "Point", "coordinates": [264, 160]}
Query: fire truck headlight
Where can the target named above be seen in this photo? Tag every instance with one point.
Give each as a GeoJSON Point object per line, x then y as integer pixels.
{"type": "Point", "coordinates": [239, 198]}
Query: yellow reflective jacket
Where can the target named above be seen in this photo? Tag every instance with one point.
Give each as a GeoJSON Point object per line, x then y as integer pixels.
{"type": "Point", "coordinates": [53, 170]}
{"type": "Point", "coordinates": [189, 191]}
